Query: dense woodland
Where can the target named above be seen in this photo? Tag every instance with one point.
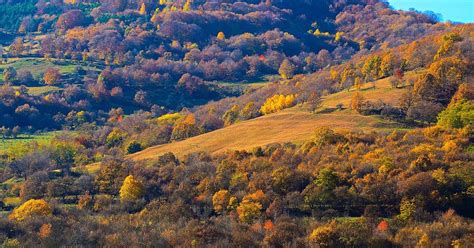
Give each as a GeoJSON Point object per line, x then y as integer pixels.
{"type": "Point", "coordinates": [119, 76]}
{"type": "Point", "coordinates": [163, 57]}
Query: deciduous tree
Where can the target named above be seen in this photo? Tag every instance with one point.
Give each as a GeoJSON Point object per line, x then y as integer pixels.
{"type": "Point", "coordinates": [287, 69]}
{"type": "Point", "coordinates": [131, 189]}
{"type": "Point", "coordinates": [9, 74]}
{"type": "Point", "coordinates": [31, 208]}
{"type": "Point", "coordinates": [51, 76]}
{"type": "Point", "coordinates": [220, 201]}
{"type": "Point", "coordinates": [357, 102]}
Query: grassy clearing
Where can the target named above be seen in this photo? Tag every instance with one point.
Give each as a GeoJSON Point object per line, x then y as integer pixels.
{"type": "Point", "coordinates": [251, 84]}
{"type": "Point", "coordinates": [37, 66]}
{"type": "Point", "coordinates": [40, 90]}
{"type": "Point", "coordinates": [89, 169]}
{"type": "Point", "coordinates": [43, 138]}
{"type": "Point", "coordinates": [383, 91]}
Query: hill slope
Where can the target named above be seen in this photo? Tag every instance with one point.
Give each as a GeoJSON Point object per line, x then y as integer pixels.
{"type": "Point", "coordinates": [287, 126]}
{"type": "Point", "coordinates": [291, 125]}
{"type": "Point", "coordinates": [383, 91]}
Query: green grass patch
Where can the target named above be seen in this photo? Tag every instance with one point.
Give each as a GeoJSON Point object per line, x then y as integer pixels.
{"type": "Point", "coordinates": [250, 83]}
{"type": "Point", "coordinates": [37, 66]}
{"type": "Point", "coordinates": [43, 138]}
{"type": "Point", "coordinates": [40, 90]}
{"type": "Point", "coordinates": [90, 169]}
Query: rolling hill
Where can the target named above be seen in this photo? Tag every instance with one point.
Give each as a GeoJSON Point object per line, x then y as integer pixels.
{"type": "Point", "coordinates": [290, 125]}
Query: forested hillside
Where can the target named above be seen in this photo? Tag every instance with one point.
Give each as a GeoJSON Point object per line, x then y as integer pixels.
{"type": "Point", "coordinates": [215, 123]}
{"type": "Point", "coordinates": [162, 57]}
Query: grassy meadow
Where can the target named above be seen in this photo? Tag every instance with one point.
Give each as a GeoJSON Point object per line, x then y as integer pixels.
{"type": "Point", "coordinates": [290, 125]}
{"type": "Point", "coordinates": [43, 138]}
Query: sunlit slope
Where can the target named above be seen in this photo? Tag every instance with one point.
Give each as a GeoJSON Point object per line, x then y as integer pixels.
{"type": "Point", "coordinates": [291, 125]}
{"type": "Point", "coordinates": [381, 90]}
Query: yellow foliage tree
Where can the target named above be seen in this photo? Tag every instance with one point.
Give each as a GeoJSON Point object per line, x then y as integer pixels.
{"type": "Point", "coordinates": [449, 69]}
{"type": "Point", "coordinates": [31, 208]}
{"type": "Point", "coordinates": [220, 200]}
{"type": "Point", "coordinates": [348, 76]}
{"type": "Point", "coordinates": [333, 74]}
{"type": "Point", "coordinates": [142, 10]}
{"type": "Point", "coordinates": [187, 6]}
{"type": "Point", "coordinates": [70, 1]}
{"type": "Point", "coordinates": [447, 45]}
{"type": "Point", "coordinates": [249, 111]}
{"type": "Point", "coordinates": [441, 80]}
{"type": "Point", "coordinates": [357, 102]}
{"type": "Point", "coordinates": [154, 17]}
{"type": "Point", "coordinates": [358, 83]}
{"type": "Point", "coordinates": [277, 103]}
{"type": "Point", "coordinates": [324, 236]}
{"type": "Point", "coordinates": [250, 207]}
{"type": "Point", "coordinates": [85, 56]}
{"type": "Point", "coordinates": [233, 202]}
{"type": "Point", "coordinates": [248, 210]}
{"type": "Point", "coordinates": [220, 36]}
{"type": "Point", "coordinates": [11, 243]}
{"type": "Point", "coordinates": [169, 118]}
{"type": "Point", "coordinates": [185, 128]}
{"type": "Point", "coordinates": [338, 36]}
{"type": "Point", "coordinates": [371, 68]}
{"type": "Point", "coordinates": [231, 116]}
{"type": "Point", "coordinates": [85, 202]}
{"type": "Point", "coordinates": [17, 47]}
{"type": "Point", "coordinates": [116, 137]}
{"type": "Point", "coordinates": [131, 189]}
{"type": "Point", "coordinates": [386, 65]}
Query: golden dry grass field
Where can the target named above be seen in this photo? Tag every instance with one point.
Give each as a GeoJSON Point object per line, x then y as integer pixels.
{"type": "Point", "coordinates": [291, 125]}
{"type": "Point", "coordinates": [383, 91]}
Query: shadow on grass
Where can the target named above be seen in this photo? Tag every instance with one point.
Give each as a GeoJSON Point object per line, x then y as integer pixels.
{"type": "Point", "coordinates": [329, 110]}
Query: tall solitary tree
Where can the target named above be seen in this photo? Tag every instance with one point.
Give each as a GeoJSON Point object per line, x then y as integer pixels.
{"type": "Point", "coordinates": [51, 76]}
{"type": "Point", "coordinates": [287, 69]}
{"type": "Point", "coordinates": [9, 74]}
{"type": "Point", "coordinates": [357, 101]}
{"type": "Point", "coordinates": [142, 10]}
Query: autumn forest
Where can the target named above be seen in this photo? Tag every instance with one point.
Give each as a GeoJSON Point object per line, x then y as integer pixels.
{"type": "Point", "coordinates": [219, 123]}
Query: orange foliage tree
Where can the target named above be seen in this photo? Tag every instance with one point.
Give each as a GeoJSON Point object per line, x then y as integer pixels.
{"type": "Point", "coordinates": [51, 76]}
